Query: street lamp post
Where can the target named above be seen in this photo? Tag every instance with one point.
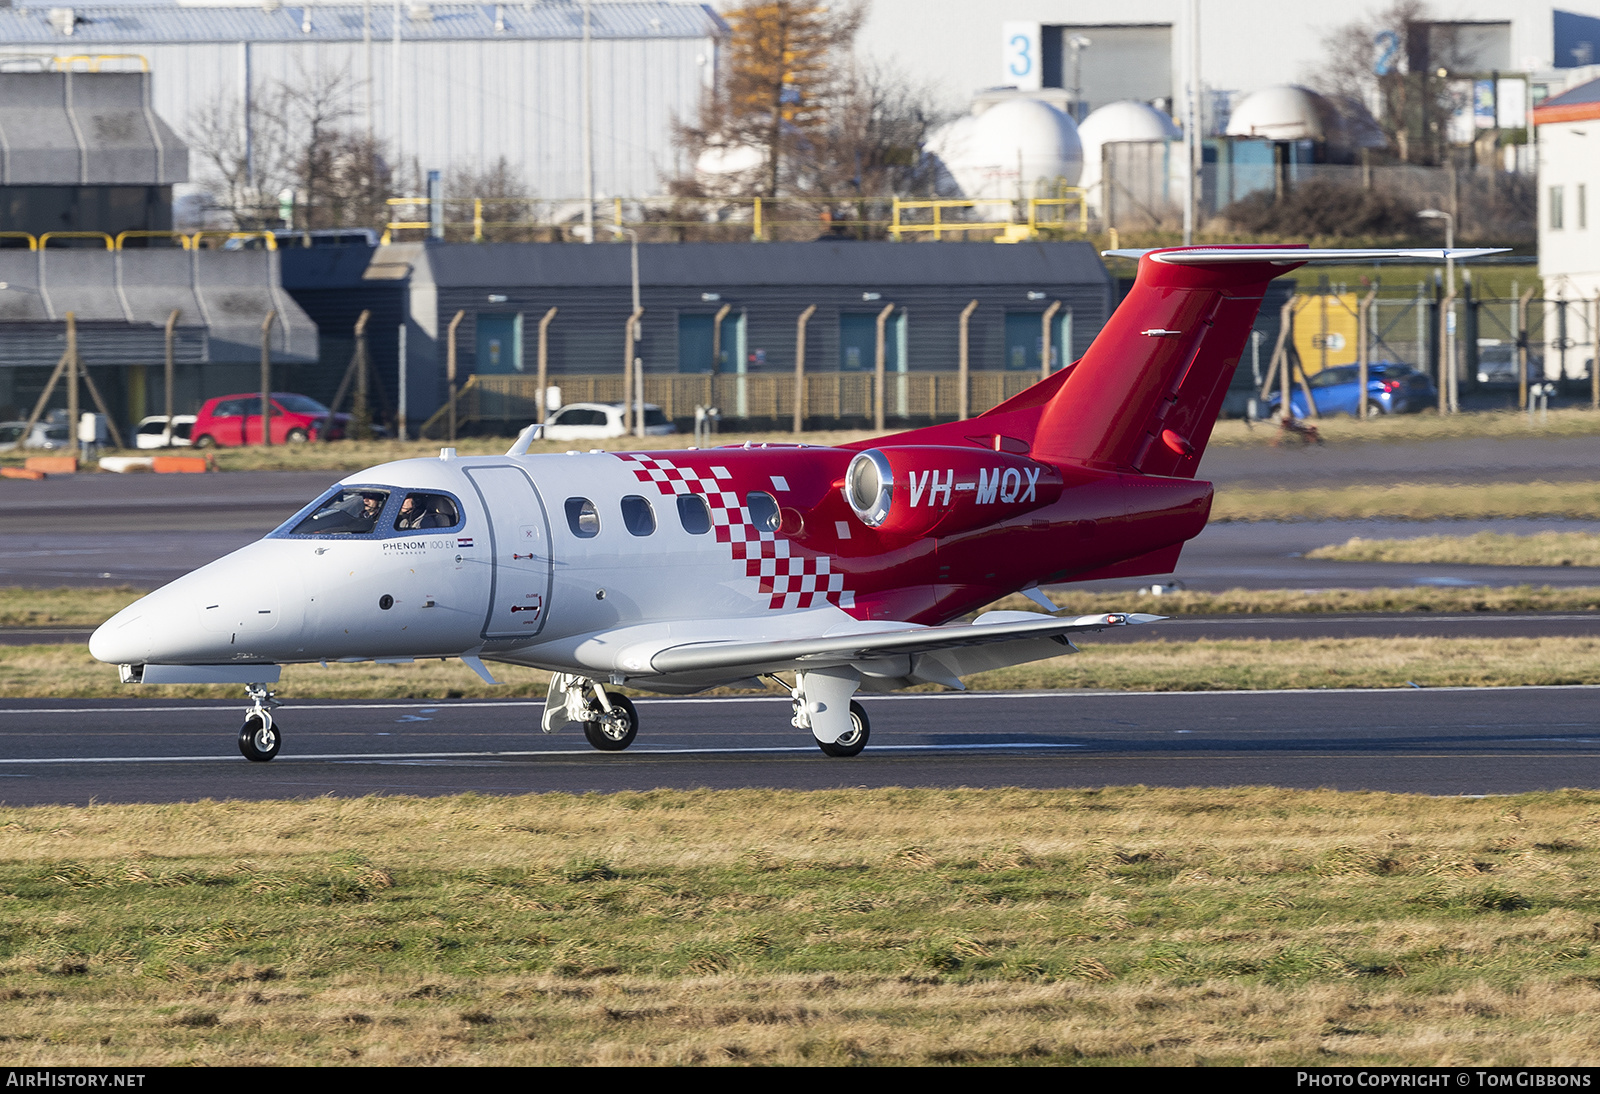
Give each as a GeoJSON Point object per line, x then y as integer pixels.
{"type": "Point", "coordinates": [630, 417]}
{"type": "Point", "coordinates": [1078, 43]}
{"type": "Point", "coordinates": [1449, 395]}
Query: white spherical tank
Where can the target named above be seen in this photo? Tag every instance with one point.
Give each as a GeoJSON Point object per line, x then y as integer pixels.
{"type": "Point", "coordinates": [1125, 121]}
{"type": "Point", "coordinates": [726, 163]}
{"type": "Point", "coordinates": [1283, 113]}
{"type": "Point", "coordinates": [1003, 152]}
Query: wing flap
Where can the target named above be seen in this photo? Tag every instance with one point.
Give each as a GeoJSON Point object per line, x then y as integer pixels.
{"type": "Point", "coordinates": [785, 653]}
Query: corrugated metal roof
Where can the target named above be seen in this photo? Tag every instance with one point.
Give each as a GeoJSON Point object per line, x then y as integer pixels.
{"type": "Point", "coordinates": [113, 24]}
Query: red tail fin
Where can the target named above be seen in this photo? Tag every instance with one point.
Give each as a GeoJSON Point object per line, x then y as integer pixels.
{"type": "Point", "coordinates": [1146, 394]}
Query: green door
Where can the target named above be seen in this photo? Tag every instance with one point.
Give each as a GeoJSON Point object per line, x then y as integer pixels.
{"type": "Point", "coordinates": [858, 342]}
{"type": "Point", "coordinates": [499, 344]}
{"type": "Point", "coordinates": [696, 342]}
{"type": "Point", "coordinates": [1025, 340]}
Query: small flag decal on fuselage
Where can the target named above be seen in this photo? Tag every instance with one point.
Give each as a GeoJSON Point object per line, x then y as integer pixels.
{"type": "Point", "coordinates": [463, 541]}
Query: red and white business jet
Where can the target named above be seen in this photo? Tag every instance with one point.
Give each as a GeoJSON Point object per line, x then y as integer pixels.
{"type": "Point", "coordinates": [684, 570]}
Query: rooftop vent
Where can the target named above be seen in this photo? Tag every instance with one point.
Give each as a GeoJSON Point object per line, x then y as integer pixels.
{"type": "Point", "coordinates": [64, 20]}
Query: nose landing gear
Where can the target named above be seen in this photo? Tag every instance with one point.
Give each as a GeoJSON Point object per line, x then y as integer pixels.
{"type": "Point", "coordinates": [259, 739]}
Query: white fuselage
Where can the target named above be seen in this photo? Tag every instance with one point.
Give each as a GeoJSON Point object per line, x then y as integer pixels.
{"type": "Point", "coordinates": [521, 577]}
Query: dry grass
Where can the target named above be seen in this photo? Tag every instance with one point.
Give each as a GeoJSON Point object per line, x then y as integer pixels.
{"type": "Point", "coordinates": [1539, 549]}
{"type": "Point", "coordinates": [1342, 429]}
{"type": "Point", "coordinates": [67, 671]}
{"type": "Point", "coordinates": [23, 606]}
{"type": "Point", "coordinates": [1232, 926]}
{"type": "Point", "coordinates": [1413, 501]}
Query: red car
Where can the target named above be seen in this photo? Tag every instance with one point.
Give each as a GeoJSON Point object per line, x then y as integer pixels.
{"type": "Point", "coordinates": [236, 419]}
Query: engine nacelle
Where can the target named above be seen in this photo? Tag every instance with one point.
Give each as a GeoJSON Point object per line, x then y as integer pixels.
{"type": "Point", "coordinates": [918, 490]}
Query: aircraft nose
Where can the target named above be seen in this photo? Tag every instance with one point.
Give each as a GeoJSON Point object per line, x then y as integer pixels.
{"type": "Point", "coordinates": [125, 639]}
{"type": "Point", "coordinates": [246, 606]}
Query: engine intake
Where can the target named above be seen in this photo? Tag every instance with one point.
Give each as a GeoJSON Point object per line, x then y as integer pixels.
{"type": "Point", "coordinates": [923, 489]}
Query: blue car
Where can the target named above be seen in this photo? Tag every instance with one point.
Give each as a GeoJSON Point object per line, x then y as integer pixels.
{"type": "Point", "coordinates": [1391, 389]}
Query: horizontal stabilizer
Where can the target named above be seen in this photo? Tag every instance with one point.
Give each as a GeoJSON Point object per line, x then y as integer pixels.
{"type": "Point", "coordinates": [1299, 256]}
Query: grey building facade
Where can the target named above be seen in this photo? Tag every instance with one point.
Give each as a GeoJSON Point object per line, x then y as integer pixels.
{"type": "Point", "coordinates": [734, 307]}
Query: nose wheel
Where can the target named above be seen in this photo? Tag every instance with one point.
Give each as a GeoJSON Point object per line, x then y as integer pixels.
{"type": "Point", "coordinates": [259, 739]}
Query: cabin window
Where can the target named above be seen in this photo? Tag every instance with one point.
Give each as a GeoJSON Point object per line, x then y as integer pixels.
{"type": "Point", "coordinates": [763, 510]}
{"type": "Point", "coordinates": [346, 513]}
{"type": "Point", "coordinates": [694, 514]}
{"type": "Point", "coordinates": [637, 516]}
{"type": "Point", "coordinates": [583, 518]}
{"type": "Point", "coordinates": [423, 511]}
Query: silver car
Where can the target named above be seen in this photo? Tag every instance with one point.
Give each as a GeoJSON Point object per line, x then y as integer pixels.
{"type": "Point", "coordinates": [46, 436]}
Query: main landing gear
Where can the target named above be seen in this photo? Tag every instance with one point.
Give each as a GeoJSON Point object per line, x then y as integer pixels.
{"type": "Point", "coordinates": [821, 698]}
{"type": "Point", "coordinates": [820, 701]}
{"type": "Point", "coordinates": [609, 720]}
{"type": "Point", "coordinates": [259, 739]}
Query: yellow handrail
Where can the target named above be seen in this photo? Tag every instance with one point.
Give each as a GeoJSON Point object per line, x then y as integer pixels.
{"type": "Point", "coordinates": [33, 241]}
{"type": "Point", "coordinates": [183, 240]}
{"type": "Point", "coordinates": [196, 238]}
{"type": "Point", "coordinates": [44, 240]}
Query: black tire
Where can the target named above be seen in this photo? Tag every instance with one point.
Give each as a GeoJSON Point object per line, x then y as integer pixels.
{"type": "Point", "coordinates": [257, 741]}
{"type": "Point", "coordinates": [606, 735]}
{"type": "Point", "coordinates": [205, 440]}
{"type": "Point", "coordinates": [297, 436]}
{"type": "Point", "coordinates": [855, 739]}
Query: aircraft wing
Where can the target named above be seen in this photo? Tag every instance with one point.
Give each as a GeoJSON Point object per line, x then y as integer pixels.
{"type": "Point", "coordinates": [909, 646]}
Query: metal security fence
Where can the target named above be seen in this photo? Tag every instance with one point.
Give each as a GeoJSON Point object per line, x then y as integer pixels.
{"type": "Point", "coordinates": [506, 404]}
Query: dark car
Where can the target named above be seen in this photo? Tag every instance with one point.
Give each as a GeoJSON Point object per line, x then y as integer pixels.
{"type": "Point", "coordinates": [1391, 389]}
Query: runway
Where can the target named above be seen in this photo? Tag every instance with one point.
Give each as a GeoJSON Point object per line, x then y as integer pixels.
{"type": "Point", "coordinates": [1444, 741]}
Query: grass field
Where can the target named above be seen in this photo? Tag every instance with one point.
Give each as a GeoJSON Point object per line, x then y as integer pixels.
{"type": "Point", "coordinates": [24, 606]}
{"type": "Point", "coordinates": [67, 671]}
{"type": "Point", "coordinates": [1224, 926]}
{"type": "Point", "coordinates": [1412, 501]}
{"type": "Point", "coordinates": [1540, 549]}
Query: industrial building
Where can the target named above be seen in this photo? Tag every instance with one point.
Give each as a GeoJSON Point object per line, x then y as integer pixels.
{"type": "Point", "coordinates": [86, 175]}
{"type": "Point", "coordinates": [441, 86]}
{"type": "Point", "coordinates": [729, 310]}
{"type": "Point", "coordinates": [1142, 49]}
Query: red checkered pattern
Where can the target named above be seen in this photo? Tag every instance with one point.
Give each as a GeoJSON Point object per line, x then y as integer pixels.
{"type": "Point", "coordinates": [790, 576]}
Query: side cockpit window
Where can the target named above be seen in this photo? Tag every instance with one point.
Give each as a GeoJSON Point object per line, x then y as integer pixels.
{"type": "Point", "coordinates": [419, 512]}
{"type": "Point", "coordinates": [346, 513]}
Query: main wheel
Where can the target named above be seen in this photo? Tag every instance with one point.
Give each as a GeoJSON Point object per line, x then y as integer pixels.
{"type": "Point", "coordinates": [205, 440]}
{"type": "Point", "coordinates": [259, 739]}
{"type": "Point", "coordinates": [855, 738]}
{"type": "Point", "coordinates": [615, 731]}
{"type": "Point", "coordinates": [297, 436]}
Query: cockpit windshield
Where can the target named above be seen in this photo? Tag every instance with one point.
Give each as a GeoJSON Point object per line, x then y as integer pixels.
{"type": "Point", "coordinates": [347, 512]}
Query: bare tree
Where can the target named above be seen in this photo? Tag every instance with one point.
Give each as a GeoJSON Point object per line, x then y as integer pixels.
{"type": "Point", "coordinates": [507, 201]}
{"type": "Point", "coordinates": [296, 142]}
{"type": "Point", "coordinates": [1395, 63]}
